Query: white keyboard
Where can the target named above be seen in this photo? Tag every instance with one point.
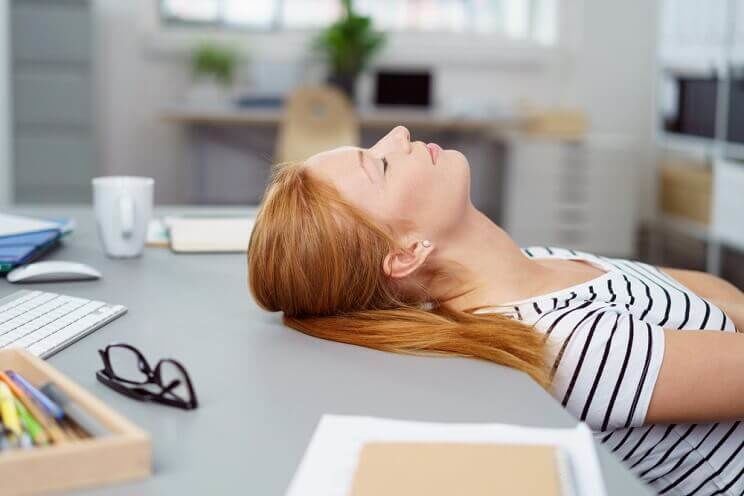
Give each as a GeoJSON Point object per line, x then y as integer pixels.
{"type": "Point", "coordinates": [44, 323]}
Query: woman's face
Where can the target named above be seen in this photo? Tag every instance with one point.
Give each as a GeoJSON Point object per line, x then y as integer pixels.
{"type": "Point", "coordinates": [403, 184]}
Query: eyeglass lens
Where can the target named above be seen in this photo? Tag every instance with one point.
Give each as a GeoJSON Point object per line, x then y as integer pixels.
{"type": "Point", "coordinates": [125, 364]}
{"type": "Point", "coordinates": [173, 379]}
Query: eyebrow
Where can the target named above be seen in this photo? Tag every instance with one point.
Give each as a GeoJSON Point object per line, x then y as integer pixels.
{"type": "Point", "coordinates": [360, 157]}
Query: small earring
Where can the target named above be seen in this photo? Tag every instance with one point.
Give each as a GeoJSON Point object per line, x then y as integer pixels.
{"type": "Point", "coordinates": [426, 243]}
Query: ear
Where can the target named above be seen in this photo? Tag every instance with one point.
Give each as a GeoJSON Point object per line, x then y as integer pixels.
{"type": "Point", "coordinates": [404, 262]}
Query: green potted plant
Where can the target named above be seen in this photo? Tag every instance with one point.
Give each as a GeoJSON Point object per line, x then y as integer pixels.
{"type": "Point", "coordinates": [213, 67]}
{"type": "Point", "coordinates": [348, 45]}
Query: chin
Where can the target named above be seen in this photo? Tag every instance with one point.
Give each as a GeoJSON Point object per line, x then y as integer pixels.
{"type": "Point", "coordinates": [461, 165]}
{"type": "Point", "coordinates": [457, 156]}
{"type": "Point", "coordinates": [458, 181]}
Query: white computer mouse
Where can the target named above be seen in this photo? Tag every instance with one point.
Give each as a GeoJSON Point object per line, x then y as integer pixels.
{"type": "Point", "coordinates": [53, 271]}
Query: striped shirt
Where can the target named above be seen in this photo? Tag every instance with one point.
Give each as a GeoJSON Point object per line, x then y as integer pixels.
{"type": "Point", "coordinates": [607, 343]}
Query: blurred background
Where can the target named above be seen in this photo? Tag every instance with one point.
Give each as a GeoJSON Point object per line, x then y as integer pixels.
{"type": "Point", "coordinates": [615, 127]}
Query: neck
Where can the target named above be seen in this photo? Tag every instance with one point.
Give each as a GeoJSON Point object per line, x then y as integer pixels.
{"type": "Point", "coordinates": [491, 269]}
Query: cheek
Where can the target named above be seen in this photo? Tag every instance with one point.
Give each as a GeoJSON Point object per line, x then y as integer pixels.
{"type": "Point", "coordinates": [414, 198]}
{"type": "Point", "coordinates": [433, 199]}
{"type": "Point", "coordinates": [413, 191]}
{"type": "Point", "coordinates": [360, 194]}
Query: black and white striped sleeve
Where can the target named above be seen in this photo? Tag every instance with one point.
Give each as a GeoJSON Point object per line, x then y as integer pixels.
{"type": "Point", "coordinates": [606, 365]}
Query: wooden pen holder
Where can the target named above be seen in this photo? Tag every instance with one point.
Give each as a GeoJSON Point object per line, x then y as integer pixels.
{"type": "Point", "coordinates": [124, 454]}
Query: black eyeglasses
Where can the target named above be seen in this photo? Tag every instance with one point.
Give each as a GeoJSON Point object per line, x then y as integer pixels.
{"type": "Point", "coordinates": [126, 371]}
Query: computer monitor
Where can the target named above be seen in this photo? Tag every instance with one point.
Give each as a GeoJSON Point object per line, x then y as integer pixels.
{"type": "Point", "coordinates": [694, 111]}
{"type": "Point", "coordinates": [403, 88]}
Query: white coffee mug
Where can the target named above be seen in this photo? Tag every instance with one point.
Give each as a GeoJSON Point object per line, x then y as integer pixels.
{"type": "Point", "coordinates": [123, 207]}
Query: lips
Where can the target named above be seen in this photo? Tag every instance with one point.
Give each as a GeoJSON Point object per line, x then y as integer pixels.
{"type": "Point", "coordinates": [434, 151]}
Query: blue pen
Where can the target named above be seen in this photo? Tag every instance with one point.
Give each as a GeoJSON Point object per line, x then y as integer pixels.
{"type": "Point", "coordinates": [43, 400]}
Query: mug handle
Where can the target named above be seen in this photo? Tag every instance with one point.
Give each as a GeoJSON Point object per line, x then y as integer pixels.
{"type": "Point", "coordinates": [126, 215]}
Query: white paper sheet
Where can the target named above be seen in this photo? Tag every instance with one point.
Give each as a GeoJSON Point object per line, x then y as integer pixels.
{"type": "Point", "coordinates": [331, 458]}
{"type": "Point", "coordinates": [11, 225]}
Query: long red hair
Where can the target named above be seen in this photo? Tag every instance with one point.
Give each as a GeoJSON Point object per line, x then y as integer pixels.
{"type": "Point", "coordinates": [319, 260]}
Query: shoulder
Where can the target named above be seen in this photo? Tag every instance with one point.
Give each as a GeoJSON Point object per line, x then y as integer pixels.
{"type": "Point", "coordinates": [571, 312]}
{"type": "Point", "coordinates": [704, 284]}
{"type": "Point", "coordinates": [605, 363]}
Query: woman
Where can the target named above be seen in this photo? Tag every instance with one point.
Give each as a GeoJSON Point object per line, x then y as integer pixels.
{"type": "Point", "coordinates": [382, 247]}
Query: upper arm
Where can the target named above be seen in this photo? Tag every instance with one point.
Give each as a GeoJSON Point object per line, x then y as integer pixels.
{"type": "Point", "coordinates": [701, 378]}
{"type": "Point", "coordinates": [619, 371]}
{"type": "Point", "coordinates": [706, 285]}
{"type": "Point", "coordinates": [608, 363]}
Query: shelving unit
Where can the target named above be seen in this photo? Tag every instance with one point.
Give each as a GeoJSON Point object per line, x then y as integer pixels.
{"type": "Point", "coordinates": [690, 228]}
{"type": "Point", "coordinates": [689, 145]}
{"type": "Point", "coordinates": [705, 39]}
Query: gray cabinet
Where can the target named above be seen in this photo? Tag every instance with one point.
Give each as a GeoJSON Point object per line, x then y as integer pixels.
{"type": "Point", "coordinates": [52, 95]}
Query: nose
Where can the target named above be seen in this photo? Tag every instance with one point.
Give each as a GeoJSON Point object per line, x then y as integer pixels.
{"type": "Point", "coordinates": [398, 140]}
{"type": "Point", "coordinates": [403, 132]}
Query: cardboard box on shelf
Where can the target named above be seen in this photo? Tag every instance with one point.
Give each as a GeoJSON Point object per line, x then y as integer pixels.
{"type": "Point", "coordinates": [685, 190]}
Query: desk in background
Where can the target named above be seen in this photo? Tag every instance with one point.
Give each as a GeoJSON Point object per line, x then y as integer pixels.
{"type": "Point", "coordinates": [232, 148]}
{"type": "Point", "coordinates": [385, 119]}
{"type": "Point", "coordinates": [262, 387]}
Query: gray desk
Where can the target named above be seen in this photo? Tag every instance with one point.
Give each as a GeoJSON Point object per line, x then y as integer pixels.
{"type": "Point", "coordinates": [262, 387]}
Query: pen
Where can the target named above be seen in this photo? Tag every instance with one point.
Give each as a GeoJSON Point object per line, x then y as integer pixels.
{"type": "Point", "coordinates": [73, 411]}
{"type": "Point", "coordinates": [8, 410]}
{"type": "Point", "coordinates": [49, 424]}
{"type": "Point", "coordinates": [34, 429]}
{"type": "Point", "coordinates": [51, 407]}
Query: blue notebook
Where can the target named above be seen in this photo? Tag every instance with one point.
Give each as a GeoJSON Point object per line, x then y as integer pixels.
{"type": "Point", "coordinates": [22, 249]}
{"type": "Point", "coordinates": [19, 249]}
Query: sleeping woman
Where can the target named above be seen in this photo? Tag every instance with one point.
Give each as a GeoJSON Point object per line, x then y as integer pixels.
{"type": "Point", "coordinates": [383, 248]}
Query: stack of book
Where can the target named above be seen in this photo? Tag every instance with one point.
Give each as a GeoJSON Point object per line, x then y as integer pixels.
{"type": "Point", "coordinates": [24, 239]}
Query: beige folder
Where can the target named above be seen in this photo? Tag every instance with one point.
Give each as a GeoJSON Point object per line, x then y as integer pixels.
{"type": "Point", "coordinates": [210, 235]}
{"type": "Point", "coordinates": [459, 469]}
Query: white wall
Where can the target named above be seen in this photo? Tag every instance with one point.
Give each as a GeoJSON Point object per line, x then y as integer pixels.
{"type": "Point", "coordinates": [133, 83]}
{"type": "Point", "coordinates": [614, 78]}
{"type": "Point", "coordinates": [6, 178]}
{"type": "Point", "coordinates": [604, 65]}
